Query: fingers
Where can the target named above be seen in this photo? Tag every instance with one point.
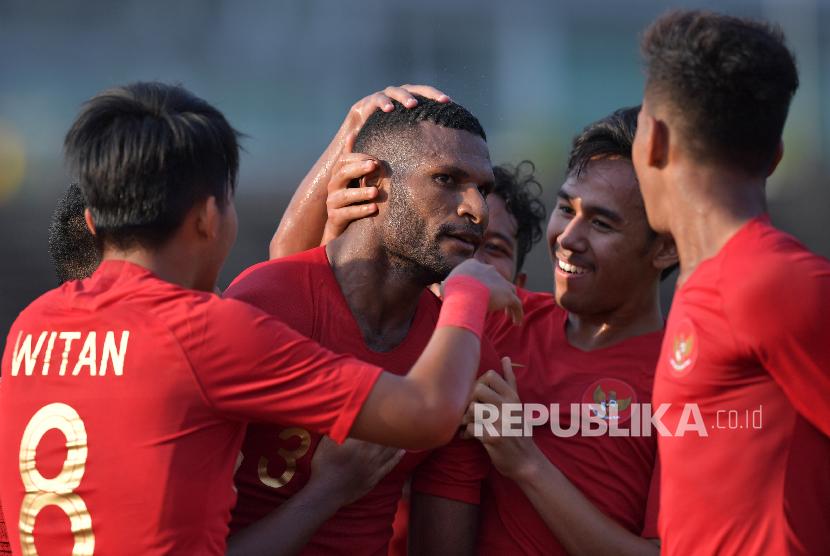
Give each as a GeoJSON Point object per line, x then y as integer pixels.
{"type": "Point", "coordinates": [514, 309]}
{"type": "Point", "coordinates": [509, 375]}
{"type": "Point", "coordinates": [351, 167]}
{"type": "Point", "coordinates": [427, 91]}
{"type": "Point", "coordinates": [499, 385]}
{"type": "Point", "coordinates": [340, 217]}
{"type": "Point", "coordinates": [484, 393]}
{"type": "Point", "coordinates": [345, 198]}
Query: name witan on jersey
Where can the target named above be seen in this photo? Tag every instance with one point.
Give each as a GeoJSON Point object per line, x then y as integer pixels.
{"type": "Point", "coordinates": [111, 353]}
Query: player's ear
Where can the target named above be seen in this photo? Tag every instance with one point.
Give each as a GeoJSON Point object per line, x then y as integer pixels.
{"type": "Point", "coordinates": [207, 218]}
{"type": "Point", "coordinates": [665, 254]}
{"type": "Point", "coordinates": [381, 178]}
{"type": "Point", "coordinates": [657, 141]}
{"type": "Point", "coordinates": [90, 223]}
{"type": "Point", "coordinates": [779, 154]}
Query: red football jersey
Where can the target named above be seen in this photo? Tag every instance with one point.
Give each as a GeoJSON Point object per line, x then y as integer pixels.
{"type": "Point", "coordinates": [303, 291]}
{"type": "Point", "coordinates": [747, 343]}
{"type": "Point", "coordinates": [123, 407]}
{"type": "Point", "coordinates": [613, 472]}
{"type": "Point", "coordinates": [5, 547]}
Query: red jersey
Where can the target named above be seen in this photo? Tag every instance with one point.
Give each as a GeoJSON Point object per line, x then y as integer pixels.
{"type": "Point", "coordinates": [303, 291]}
{"type": "Point", "coordinates": [614, 473]}
{"type": "Point", "coordinates": [747, 342]}
{"type": "Point", "coordinates": [123, 407]}
{"type": "Point", "coordinates": [5, 547]}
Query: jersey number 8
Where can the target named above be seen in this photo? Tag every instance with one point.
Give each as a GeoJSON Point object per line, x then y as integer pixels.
{"type": "Point", "coordinates": [60, 490]}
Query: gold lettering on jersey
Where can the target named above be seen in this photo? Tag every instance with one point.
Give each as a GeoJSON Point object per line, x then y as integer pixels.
{"type": "Point", "coordinates": [48, 356]}
{"type": "Point", "coordinates": [116, 355]}
{"type": "Point", "coordinates": [91, 357]}
{"type": "Point", "coordinates": [87, 357]}
{"type": "Point", "coordinates": [60, 490]}
{"type": "Point", "coordinates": [25, 353]}
{"type": "Point", "coordinates": [68, 338]}
{"type": "Point", "coordinates": [289, 456]}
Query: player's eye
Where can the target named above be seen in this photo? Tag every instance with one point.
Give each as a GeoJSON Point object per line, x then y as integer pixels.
{"type": "Point", "coordinates": [601, 225]}
{"type": "Point", "coordinates": [566, 209]}
{"type": "Point", "coordinates": [443, 179]}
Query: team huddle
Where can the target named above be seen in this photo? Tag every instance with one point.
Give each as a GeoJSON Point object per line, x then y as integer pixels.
{"type": "Point", "coordinates": [331, 400]}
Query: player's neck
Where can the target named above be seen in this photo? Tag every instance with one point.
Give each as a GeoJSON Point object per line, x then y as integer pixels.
{"type": "Point", "coordinates": [639, 315]}
{"type": "Point", "coordinates": [383, 300]}
{"type": "Point", "coordinates": [708, 206]}
{"type": "Point", "coordinates": [166, 263]}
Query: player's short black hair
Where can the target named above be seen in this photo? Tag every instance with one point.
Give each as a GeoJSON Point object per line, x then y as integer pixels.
{"type": "Point", "coordinates": [144, 154]}
{"type": "Point", "coordinates": [73, 249]}
{"type": "Point", "coordinates": [385, 128]}
{"type": "Point", "coordinates": [518, 188]}
{"type": "Point", "coordinates": [729, 80]}
{"type": "Point", "coordinates": [609, 137]}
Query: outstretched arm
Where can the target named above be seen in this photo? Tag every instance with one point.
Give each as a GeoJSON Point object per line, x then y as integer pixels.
{"type": "Point", "coordinates": [304, 220]}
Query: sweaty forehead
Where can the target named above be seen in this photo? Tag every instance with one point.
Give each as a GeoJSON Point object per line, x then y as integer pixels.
{"type": "Point", "coordinates": [433, 144]}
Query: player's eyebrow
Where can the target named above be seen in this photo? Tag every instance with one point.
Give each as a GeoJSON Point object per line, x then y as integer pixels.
{"type": "Point", "coordinates": [504, 237]}
{"type": "Point", "coordinates": [611, 215]}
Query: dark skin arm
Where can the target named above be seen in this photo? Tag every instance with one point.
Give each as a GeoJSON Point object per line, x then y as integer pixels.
{"type": "Point", "coordinates": [442, 526]}
{"type": "Point", "coordinates": [578, 525]}
{"type": "Point", "coordinates": [339, 476]}
{"type": "Point", "coordinates": [304, 220]}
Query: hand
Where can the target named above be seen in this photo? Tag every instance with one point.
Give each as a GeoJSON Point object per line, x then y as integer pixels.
{"type": "Point", "coordinates": [362, 109]}
{"type": "Point", "coordinates": [502, 293]}
{"type": "Point", "coordinates": [352, 469]}
{"type": "Point", "coordinates": [513, 456]}
{"type": "Point", "coordinates": [345, 204]}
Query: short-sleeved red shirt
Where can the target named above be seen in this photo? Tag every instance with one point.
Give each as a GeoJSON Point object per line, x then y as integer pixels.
{"type": "Point", "coordinates": [747, 341]}
{"type": "Point", "coordinates": [303, 291]}
{"type": "Point", "coordinates": [615, 473]}
{"type": "Point", "coordinates": [124, 403]}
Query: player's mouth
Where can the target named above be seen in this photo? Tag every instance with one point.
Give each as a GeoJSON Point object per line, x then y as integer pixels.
{"type": "Point", "coordinates": [468, 242]}
{"type": "Point", "coordinates": [570, 270]}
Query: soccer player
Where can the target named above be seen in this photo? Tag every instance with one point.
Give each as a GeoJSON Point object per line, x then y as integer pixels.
{"type": "Point", "coordinates": [125, 396]}
{"type": "Point", "coordinates": [72, 248]}
{"type": "Point", "coordinates": [595, 341]}
{"type": "Point", "coordinates": [364, 293]}
{"type": "Point", "coordinates": [746, 340]}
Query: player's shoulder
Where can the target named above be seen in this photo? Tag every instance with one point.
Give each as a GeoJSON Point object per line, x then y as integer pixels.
{"type": "Point", "coordinates": [765, 261]}
{"type": "Point", "coordinates": [277, 277]}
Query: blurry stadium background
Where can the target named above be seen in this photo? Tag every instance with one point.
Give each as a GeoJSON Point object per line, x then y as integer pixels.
{"type": "Point", "coordinates": [285, 73]}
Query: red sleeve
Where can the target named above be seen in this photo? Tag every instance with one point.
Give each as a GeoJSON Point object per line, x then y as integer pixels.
{"type": "Point", "coordinates": [5, 547]}
{"type": "Point", "coordinates": [254, 367]}
{"type": "Point", "coordinates": [454, 471]}
{"type": "Point", "coordinates": [778, 310]}
{"type": "Point", "coordinates": [650, 530]}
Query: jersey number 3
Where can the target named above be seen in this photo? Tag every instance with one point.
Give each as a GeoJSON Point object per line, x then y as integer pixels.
{"type": "Point", "coordinates": [60, 490]}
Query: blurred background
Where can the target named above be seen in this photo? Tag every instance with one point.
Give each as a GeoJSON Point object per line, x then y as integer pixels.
{"type": "Point", "coordinates": [285, 73]}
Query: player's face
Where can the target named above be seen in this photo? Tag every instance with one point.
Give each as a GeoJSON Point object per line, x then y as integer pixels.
{"type": "Point", "coordinates": [599, 240]}
{"type": "Point", "coordinates": [499, 245]}
{"type": "Point", "coordinates": [437, 214]}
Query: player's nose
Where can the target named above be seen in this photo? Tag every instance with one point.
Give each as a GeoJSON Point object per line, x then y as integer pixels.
{"type": "Point", "coordinates": [474, 206]}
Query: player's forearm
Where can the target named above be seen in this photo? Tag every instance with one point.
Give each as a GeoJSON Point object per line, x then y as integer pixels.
{"type": "Point", "coordinates": [286, 530]}
{"type": "Point", "coordinates": [303, 222]}
{"type": "Point", "coordinates": [423, 410]}
{"type": "Point", "coordinates": [578, 525]}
